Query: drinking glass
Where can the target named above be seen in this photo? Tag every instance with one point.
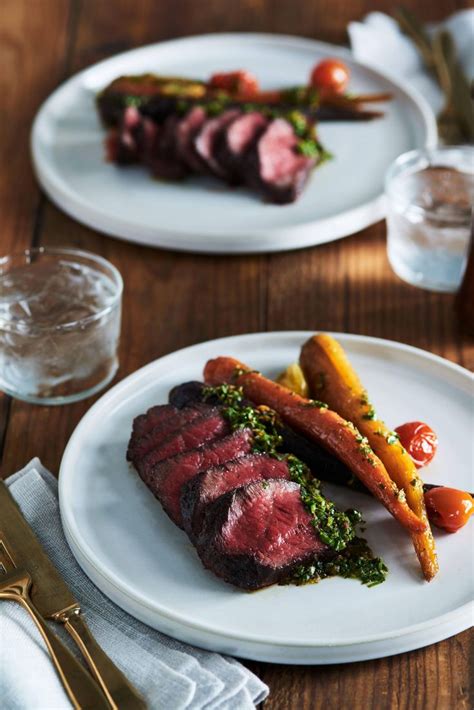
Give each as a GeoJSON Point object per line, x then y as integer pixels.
{"type": "Point", "coordinates": [429, 197]}
{"type": "Point", "coordinates": [60, 313]}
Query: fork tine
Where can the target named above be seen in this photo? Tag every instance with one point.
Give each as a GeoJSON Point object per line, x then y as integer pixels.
{"type": "Point", "coordinates": [6, 560]}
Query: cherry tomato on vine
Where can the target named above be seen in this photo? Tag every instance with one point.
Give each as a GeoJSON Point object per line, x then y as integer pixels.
{"type": "Point", "coordinates": [449, 508]}
{"type": "Point", "coordinates": [419, 440]}
{"type": "Point", "coordinates": [330, 75]}
{"type": "Point", "coordinates": [236, 82]}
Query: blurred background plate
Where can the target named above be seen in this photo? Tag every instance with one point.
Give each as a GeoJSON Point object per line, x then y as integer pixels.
{"type": "Point", "coordinates": [132, 551]}
{"type": "Point", "coordinates": [201, 214]}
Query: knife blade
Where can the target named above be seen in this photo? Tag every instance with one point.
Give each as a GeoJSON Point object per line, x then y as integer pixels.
{"type": "Point", "coordinates": [54, 600]}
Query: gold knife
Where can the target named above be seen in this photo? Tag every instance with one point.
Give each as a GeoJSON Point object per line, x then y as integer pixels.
{"type": "Point", "coordinates": [54, 600]}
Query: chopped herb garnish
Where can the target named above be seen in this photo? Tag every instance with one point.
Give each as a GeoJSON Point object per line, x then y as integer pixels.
{"type": "Point", "coordinates": [335, 528]}
{"type": "Point", "coordinates": [370, 414]}
{"type": "Point", "coordinates": [214, 108]}
{"type": "Point", "coordinates": [299, 122]}
{"type": "Point", "coordinates": [262, 421]}
{"type": "Point", "coordinates": [308, 148]}
{"type": "Point", "coordinates": [135, 101]}
{"type": "Point", "coordinates": [239, 371]}
{"type": "Point", "coordinates": [400, 495]}
{"type": "Point", "coordinates": [317, 404]}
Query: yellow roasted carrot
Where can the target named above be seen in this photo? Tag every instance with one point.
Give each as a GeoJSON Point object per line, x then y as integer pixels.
{"type": "Point", "coordinates": [331, 378]}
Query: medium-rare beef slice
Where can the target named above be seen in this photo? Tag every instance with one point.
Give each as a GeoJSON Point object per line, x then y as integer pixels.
{"type": "Point", "coordinates": [186, 131]}
{"type": "Point", "coordinates": [257, 535]}
{"type": "Point", "coordinates": [274, 167]}
{"type": "Point", "coordinates": [123, 145]}
{"type": "Point", "coordinates": [164, 160]}
{"type": "Point", "coordinates": [195, 434]}
{"type": "Point", "coordinates": [207, 137]}
{"type": "Point", "coordinates": [167, 478]}
{"type": "Point", "coordinates": [159, 413]}
{"type": "Point", "coordinates": [175, 419]}
{"type": "Point", "coordinates": [154, 416]}
{"type": "Point", "coordinates": [234, 141]}
{"type": "Point", "coordinates": [209, 485]}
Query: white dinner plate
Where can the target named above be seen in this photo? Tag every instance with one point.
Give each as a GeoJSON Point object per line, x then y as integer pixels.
{"type": "Point", "coordinates": [136, 556]}
{"type": "Point", "coordinates": [202, 214]}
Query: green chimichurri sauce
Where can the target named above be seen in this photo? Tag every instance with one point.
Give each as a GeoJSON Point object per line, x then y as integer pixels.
{"type": "Point", "coordinates": [335, 528]}
{"type": "Point", "coordinates": [356, 561]}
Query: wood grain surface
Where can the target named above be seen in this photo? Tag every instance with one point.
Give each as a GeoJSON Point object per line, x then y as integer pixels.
{"type": "Point", "coordinates": [172, 300]}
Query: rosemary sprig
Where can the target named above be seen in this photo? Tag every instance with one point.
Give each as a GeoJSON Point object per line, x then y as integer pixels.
{"type": "Point", "coordinates": [456, 120]}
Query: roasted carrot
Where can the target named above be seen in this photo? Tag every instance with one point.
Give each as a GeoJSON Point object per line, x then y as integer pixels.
{"type": "Point", "coordinates": [331, 377]}
{"type": "Point", "coordinates": [322, 425]}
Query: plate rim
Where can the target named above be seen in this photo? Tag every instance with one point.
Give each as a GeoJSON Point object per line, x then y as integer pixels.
{"type": "Point", "coordinates": [301, 234]}
{"type": "Point", "coordinates": [458, 616]}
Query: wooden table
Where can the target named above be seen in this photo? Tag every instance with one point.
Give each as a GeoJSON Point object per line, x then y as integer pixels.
{"type": "Point", "coordinates": [172, 300]}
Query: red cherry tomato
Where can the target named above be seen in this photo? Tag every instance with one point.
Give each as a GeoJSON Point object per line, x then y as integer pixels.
{"type": "Point", "coordinates": [330, 75]}
{"type": "Point", "coordinates": [236, 82]}
{"type": "Point", "coordinates": [449, 508]}
{"type": "Point", "coordinates": [419, 440]}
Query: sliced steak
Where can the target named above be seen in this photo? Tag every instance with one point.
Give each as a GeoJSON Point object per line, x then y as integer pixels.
{"type": "Point", "coordinates": [195, 434]}
{"type": "Point", "coordinates": [152, 417]}
{"type": "Point", "coordinates": [123, 145]}
{"type": "Point", "coordinates": [176, 419]}
{"type": "Point", "coordinates": [257, 535]}
{"type": "Point", "coordinates": [187, 129]}
{"type": "Point", "coordinates": [233, 142]}
{"type": "Point", "coordinates": [164, 160]}
{"type": "Point", "coordinates": [166, 478]}
{"type": "Point", "coordinates": [273, 165]}
{"type": "Point", "coordinates": [206, 139]}
{"type": "Point", "coordinates": [209, 485]}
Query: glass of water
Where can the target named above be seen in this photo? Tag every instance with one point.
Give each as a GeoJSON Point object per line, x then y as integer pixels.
{"type": "Point", "coordinates": [429, 195]}
{"type": "Point", "coordinates": [60, 315]}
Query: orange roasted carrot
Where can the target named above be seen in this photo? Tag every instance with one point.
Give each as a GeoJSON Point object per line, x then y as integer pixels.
{"type": "Point", "coordinates": [322, 425]}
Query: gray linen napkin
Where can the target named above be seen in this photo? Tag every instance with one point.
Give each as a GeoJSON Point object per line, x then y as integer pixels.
{"type": "Point", "coordinates": [169, 674]}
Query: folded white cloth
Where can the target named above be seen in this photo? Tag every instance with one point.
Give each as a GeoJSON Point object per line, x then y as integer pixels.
{"type": "Point", "coordinates": [379, 42]}
{"type": "Point", "coordinates": [169, 674]}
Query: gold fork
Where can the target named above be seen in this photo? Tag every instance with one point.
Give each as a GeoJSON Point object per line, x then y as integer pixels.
{"type": "Point", "coordinates": [15, 585]}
